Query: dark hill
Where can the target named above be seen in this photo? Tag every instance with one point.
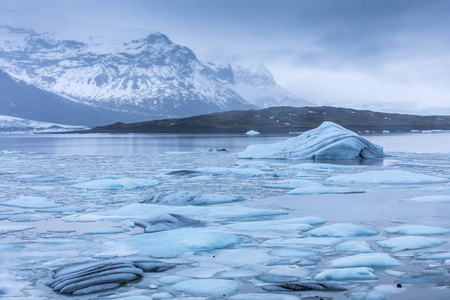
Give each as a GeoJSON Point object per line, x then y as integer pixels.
{"type": "Point", "coordinates": [282, 120]}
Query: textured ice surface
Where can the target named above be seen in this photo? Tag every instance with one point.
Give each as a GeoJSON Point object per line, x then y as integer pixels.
{"type": "Point", "coordinates": [417, 230]}
{"type": "Point", "coordinates": [297, 224]}
{"type": "Point", "coordinates": [395, 273]}
{"type": "Point", "coordinates": [31, 202]}
{"type": "Point", "coordinates": [293, 253]}
{"type": "Point", "coordinates": [365, 260]}
{"type": "Point", "coordinates": [361, 273]}
{"type": "Point", "coordinates": [341, 230]}
{"type": "Point", "coordinates": [354, 246]}
{"type": "Point", "coordinates": [169, 280]}
{"type": "Point", "coordinates": [207, 287]}
{"type": "Point", "coordinates": [191, 198]}
{"type": "Point", "coordinates": [167, 222]}
{"type": "Point", "coordinates": [370, 295]}
{"type": "Point", "coordinates": [141, 211]}
{"type": "Point", "coordinates": [238, 273]}
{"type": "Point", "coordinates": [304, 241]}
{"type": "Point", "coordinates": [117, 184]}
{"type": "Point", "coordinates": [298, 183]}
{"type": "Point", "coordinates": [328, 141]}
{"type": "Point", "coordinates": [431, 199]}
{"type": "Point", "coordinates": [322, 189]}
{"type": "Point", "coordinates": [167, 243]}
{"type": "Point", "coordinates": [261, 165]}
{"type": "Point", "coordinates": [245, 172]}
{"type": "Point", "coordinates": [387, 177]}
{"type": "Point", "coordinates": [320, 166]}
{"type": "Point", "coordinates": [13, 228]}
{"type": "Point", "coordinates": [410, 242]}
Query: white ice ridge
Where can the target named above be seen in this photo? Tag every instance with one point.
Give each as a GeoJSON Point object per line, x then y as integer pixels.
{"type": "Point", "coordinates": [252, 132]}
{"type": "Point", "coordinates": [328, 141]}
{"type": "Point", "coordinates": [417, 230]}
{"type": "Point", "coordinates": [365, 260]}
{"type": "Point", "coordinates": [362, 273]}
{"type": "Point", "coordinates": [341, 230]}
{"type": "Point", "coordinates": [117, 184]}
{"type": "Point", "coordinates": [166, 244]}
{"type": "Point", "coordinates": [387, 177]}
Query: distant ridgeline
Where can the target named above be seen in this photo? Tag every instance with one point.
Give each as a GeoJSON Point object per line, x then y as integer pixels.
{"type": "Point", "coordinates": [283, 120]}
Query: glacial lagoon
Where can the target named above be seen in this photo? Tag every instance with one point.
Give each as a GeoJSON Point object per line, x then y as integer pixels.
{"type": "Point", "coordinates": [69, 199]}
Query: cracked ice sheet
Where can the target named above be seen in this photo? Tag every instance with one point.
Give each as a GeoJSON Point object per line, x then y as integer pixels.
{"type": "Point", "coordinates": [117, 184]}
{"type": "Point", "coordinates": [141, 211]}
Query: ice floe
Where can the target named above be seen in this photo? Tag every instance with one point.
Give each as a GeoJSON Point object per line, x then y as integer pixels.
{"type": "Point", "coordinates": [328, 141]}
{"type": "Point", "coordinates": [207, 287]}
{"type": "Point", "coordinates": [31, 202]}
{"type": "Point", "coordinates": [431, 199]}
{"type": "Point", "coordinates": [169, 280]}
{"type": "Point", "coordinates": [245, 172]}
{"type": "Point", "coordinates": [410, 242]}
{"type": "Point", "coordinates": [354, 246]}
{"type": "Point", "coordinates": [341, 230]}
{"type": "Point", "coordinates": [361, 273]}
{"type": "Point", "coordinates": [365, 260]}
{"type": "Point", "coordinates": [117, 184]}
{"type": "Point", "coordinates": [395, 273]}
{"type": "Point", "coordinates": [13, 228]}
{"type": "Point", "coordinates": [191, 198]}
{"type": "Point", "coordinates": [167, 222]}
{"type": "Point", "coordinates": [111, 230]}
{"type": "Point", "coordinates": [316, 241]}
{"type": "Point", "coordinates": [322, 189]}
{"type": "Point", "coordinates": [145, 211]}
{"type": "Point", "coordinates": [166, 244]}
{"type": "Point", "coordinates": [296, 224]}
{"type": "Point", "coordinates": [306, 286]}
{"type": "Point", "coordinates": [417, 230]}
{"type": "Point", "coordinates": [263, 296]}
{"type": "Point", "coordinates": [387, 177]}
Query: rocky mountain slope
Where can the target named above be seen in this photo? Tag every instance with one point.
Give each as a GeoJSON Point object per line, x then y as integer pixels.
{"type": "Point", "coordinates": [18, 125]}
{"type": "Point", "coordinates": [283, 120]}
{"type": "Point", "coordinates": [150, 76]}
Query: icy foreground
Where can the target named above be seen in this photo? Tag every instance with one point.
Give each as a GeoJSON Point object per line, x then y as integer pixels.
{"type": "Point", "coordinates": [123, 227]}
{"type": "Point", "coordinates": [328, 141]}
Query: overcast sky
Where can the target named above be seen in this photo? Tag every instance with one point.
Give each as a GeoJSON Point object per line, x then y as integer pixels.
{"type": "Point", "coordinates": [325, 51]}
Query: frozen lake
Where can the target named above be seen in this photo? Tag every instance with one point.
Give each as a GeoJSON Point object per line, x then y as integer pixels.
{"type": "Point", "coordinates": [252, 227]}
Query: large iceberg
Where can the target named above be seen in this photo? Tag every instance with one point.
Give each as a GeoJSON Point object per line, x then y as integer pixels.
{"type": "Point", "coordinates": [328, 141]}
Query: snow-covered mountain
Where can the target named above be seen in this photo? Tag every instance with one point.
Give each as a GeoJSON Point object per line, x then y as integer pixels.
{"type": "Point", "coordinates": [256, 84]}
{"type": "Point", "coordinates": [15, 125]}
{"type": "Point", "coordinates": [149, 76]}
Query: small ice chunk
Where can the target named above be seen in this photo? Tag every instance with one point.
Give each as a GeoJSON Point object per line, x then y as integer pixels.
{"type": "Point", "coordinates": [246, 172]}
{"type": "Point", "coordinates": [169, 280]}
{"type": "Point", "coordinates": [370, 295]}
{"type": "Point", "coordinates": [322, 189]}
{"type": "Point", "coordinates": [304, 241]}
{"type": "Point", "coordinates": [434, 256]}
{"type": "Point", "coordinates": [61, 209]}
{"type": "Point", "coordinates": [292, 253]}
{"type": "Point", "coordinates": [430, 279]}
{"type": "Point", "coordinates": [191, 198]}
{"type": "Point", "coordinates": [117, 184]}
{"type": "Point", "coordinates": [354, 246]}
{"type": "Point", "coordinates": [263, 296]}
{"type": "Point", "coordinates": [31, 202]}
{"type": "Point", "coordinates": [410, 242]}
{"type": "Point", "coordinates": [106, 230]}
{"type": "Point", "coordinates": [261, 165]}
{"type": "Point", "coordinates": [341, 230]}
{"type": "Point", "coordinates": [168, 244]}
{"type": "Point", "coordinates": [387, 177]}
{"type": "Point", "coordinates": [27, 218]}
{"type": "Point", "coordinates": [167, 222]}
{"type": "Point", "coordinates": [361, 273]}
{"type": "Point", "coordinates": [296, 224]}
{"type": "Point", "coordinates": [238, 273]}
{"type": "Point", "coordinates": [320, 166]}
{"type": "Point", "coordinates": [274, 278]}
{"type": "Point", "coordinates": [207, 287]}
{"type": "Point", "coordinates": [13, 228]}
{"type": "Point", "coordinates": [395, 273]}
{"type": "Point", "coordinates": [328, 141]}
{"type": "Point", "coordinates": [417, 230]}
{"type": "Point", "coordinates": [298, 183]}
{"type": "Point", "coordinates": [365, 260]}
{"type": "Point", "coordinates": [252, 132]}
{"type": "Point", "coordinates": [431, 199]}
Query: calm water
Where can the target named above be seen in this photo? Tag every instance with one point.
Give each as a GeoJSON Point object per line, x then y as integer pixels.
{"type": "Point", "coordinates": [112, 144]}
